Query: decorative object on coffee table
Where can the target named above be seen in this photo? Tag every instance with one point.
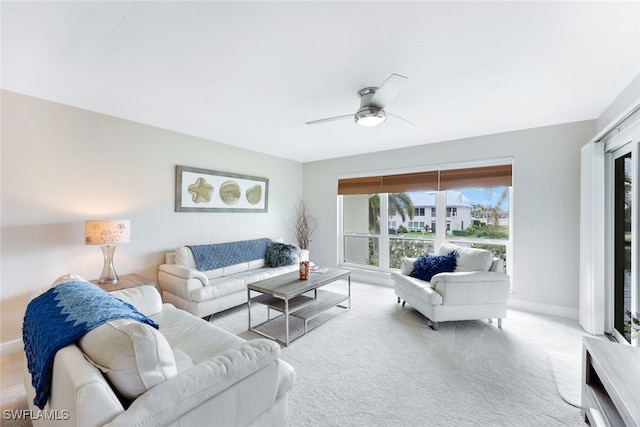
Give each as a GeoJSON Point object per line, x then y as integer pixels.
{"type": "Point", "coordinates": [107, 233]}
{"type": "Point", "coordinates": [304, 270]}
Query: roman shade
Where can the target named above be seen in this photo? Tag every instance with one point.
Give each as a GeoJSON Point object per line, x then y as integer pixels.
{"type": "Point", "coordinates": [482, 177]}
{"type": "Point", "coordinates": [447, 179]}
{"type": "Point", "coordinates": [364, 185]}
{"type": "Point", "coordinates": [421, 181]}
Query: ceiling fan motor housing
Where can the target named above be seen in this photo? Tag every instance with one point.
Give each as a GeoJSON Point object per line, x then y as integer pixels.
{"type": "Point", "coordinates": [369, 114]}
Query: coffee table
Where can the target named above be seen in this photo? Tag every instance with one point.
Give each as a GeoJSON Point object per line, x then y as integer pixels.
{"type": "Point", "coordinates": [286, 294]}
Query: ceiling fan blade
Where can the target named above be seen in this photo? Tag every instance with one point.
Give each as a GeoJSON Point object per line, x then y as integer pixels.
{"type": "Point", "coordinates": [388, 90]}
{"type": "Point", "coordinates": [403, 121]}
{"type": "Point", "coordinates": [329, 119]}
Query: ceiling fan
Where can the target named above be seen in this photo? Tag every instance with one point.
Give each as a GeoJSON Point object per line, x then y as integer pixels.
{"type": "Point", "coordinates": [373, 101]}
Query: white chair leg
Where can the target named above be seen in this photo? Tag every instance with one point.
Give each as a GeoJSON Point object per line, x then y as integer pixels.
{"type": "Point", "coordinates": [398, 300]}
{"type": "Point", "coordinates": [500, 323]}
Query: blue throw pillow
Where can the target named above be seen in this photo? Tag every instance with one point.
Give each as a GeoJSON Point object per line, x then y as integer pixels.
{"type": "Point", "coordinates": [427, 266]}
{"type": "Point", "coordinates": [280, 254]}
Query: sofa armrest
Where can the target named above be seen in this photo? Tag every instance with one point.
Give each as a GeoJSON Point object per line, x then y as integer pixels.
{"type": "Point", "coordinates": [184, 272]}
{"type": "Point", "coordinates": [172, 399]}
{"type": "Point", "coordinates": [79, 393]}
{"type": "Point", "coordinates": [474, 287]}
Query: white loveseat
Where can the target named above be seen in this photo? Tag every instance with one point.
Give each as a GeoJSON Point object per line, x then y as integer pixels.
{"type": "Point", "coordinates": [476, 289]}
{"type": "Point", "coordinates": [203, 293]}
{"type": "Point", "coordinates": [216, 379]}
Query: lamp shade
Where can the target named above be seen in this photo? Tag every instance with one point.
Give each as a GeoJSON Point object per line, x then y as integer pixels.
{"type": "Point", "coordinates": [108, 232]}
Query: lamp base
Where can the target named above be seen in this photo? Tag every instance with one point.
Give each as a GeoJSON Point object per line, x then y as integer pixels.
{"type": "Point", "coordinates": [108, 272]}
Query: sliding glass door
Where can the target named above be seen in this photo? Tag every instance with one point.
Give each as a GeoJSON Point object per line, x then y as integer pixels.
{"type": "Point", "coordinates": [623, 240]}
{"type": "Point", "coordinates": [622, 243]}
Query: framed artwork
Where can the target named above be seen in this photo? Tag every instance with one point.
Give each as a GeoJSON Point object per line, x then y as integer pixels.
{"type": "Point", "coordinates": [202, 190]}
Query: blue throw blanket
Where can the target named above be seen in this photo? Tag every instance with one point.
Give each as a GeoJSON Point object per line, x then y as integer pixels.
{"type": "Point", "coordinates": [59, 317]}
{"type": "Point", "coordinates": [210, 257]}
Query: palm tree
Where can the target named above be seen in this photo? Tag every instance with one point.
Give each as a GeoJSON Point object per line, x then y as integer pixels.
{"type": "Point", "coordinates": [399, 204]}
{"type": "Point", "coordinates": [493, 217]}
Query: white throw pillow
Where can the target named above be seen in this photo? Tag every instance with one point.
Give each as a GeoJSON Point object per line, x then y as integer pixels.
{"type": "Point", "coordinates": [184, 257]}
{"type": "Point", "coordinates": [406, 266]}
{"type": "Point", "coordinates": [67, 278]}
{"type": "Point", "coordinates": [469, 259]}
{"type": "Point", "coordinates": [133, 355]}
{"type": "Point", "coordinates": [146, 299]}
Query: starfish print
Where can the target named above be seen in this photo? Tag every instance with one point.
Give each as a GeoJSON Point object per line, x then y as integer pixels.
{"type": "Point", "coordinates": [201, 191]}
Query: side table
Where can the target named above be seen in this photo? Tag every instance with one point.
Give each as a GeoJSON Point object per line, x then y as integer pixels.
{"type": "Point", "coordinates": [124, 282]}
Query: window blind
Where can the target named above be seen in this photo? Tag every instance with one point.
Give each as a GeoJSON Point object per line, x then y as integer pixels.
{"type": "Point", "coordinates": [364, 185]}
{"type": "Point", "coordinates": [482, 177]}
{"type": "Point", "coordinates": [479, 177]}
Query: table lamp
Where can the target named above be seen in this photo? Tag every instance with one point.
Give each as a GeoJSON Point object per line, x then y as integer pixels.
{"type": "Point", "coordinates": [107, 233]}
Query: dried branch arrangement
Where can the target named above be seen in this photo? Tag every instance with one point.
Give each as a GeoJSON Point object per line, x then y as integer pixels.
{"type": "Point", "coordinates": [305, 225]}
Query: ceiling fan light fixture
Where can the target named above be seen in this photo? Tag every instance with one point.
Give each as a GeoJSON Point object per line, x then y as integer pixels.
{"type": "Point", "coordinates": [370, 117]}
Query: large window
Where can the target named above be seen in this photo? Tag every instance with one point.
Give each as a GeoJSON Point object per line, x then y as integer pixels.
{"type": "Point", "coordinates": [463, 213]}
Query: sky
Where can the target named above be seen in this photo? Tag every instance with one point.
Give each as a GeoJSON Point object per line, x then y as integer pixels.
{"type": "Point", "coordinates": [479, 195]}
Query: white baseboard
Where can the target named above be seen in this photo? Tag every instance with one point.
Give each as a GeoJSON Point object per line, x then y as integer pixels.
{"type": "Point", "coordinates": [371, 277]}
{"type": "Point", "coordinates": [383, 279]}
{"type": "Point", "coordinates": [553, 310]}
{"type": "Point", "coordinates": [11, 347]}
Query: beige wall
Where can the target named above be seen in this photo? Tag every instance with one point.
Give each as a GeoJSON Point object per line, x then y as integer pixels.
{"type": "Point", "coordinates": [546, 169]}
{"type": "Point", "coordinates": [62, 166]}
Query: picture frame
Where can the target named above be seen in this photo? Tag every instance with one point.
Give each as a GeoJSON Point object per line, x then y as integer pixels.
{"type": "Point", "coordinates": [203, 190]}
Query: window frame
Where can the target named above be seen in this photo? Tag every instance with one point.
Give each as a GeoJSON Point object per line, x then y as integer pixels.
{"type": "Point", "coordinates": [384, 237]}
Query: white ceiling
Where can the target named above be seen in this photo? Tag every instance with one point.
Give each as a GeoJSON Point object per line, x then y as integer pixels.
{"type": "Point", "coordinates": [250, 74]}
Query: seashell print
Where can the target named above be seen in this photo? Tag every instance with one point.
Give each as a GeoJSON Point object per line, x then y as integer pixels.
{"type": "Point", "coordinates": [254, 194]}
{"type": "Point", "coordinates": [229, 192]}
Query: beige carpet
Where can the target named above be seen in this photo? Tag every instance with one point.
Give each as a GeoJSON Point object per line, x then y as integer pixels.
{"type": "Point", "coordinates": [380, 365]}
{"type": "Point", "coordinates": [12, 397]}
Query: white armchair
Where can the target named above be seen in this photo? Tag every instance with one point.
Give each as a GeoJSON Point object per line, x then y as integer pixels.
{"type": "Point", "coordinates": [476, 289]}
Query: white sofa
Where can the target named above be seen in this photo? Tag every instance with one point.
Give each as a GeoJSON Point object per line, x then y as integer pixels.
{"type": "Point", "coordinates": [203, 293]}
{"type": "Point", "coordinates": [476, 289]}
{"type": "Point", "coordinates": [218, 378]}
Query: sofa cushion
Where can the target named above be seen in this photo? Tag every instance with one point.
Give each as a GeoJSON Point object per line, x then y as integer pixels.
{"type": "Point", "coordinates": [134, 356]}
{"type": "Point", "coordinates": [469, 259]}
{"type": "Point", "coordinates": [280, 254]}
{"type": "Point", "coordinates": [427, 266]}
{"type": "Point", "coordinates": [196, 339]}
{"type": "Point", "coordinates": [219, 287]}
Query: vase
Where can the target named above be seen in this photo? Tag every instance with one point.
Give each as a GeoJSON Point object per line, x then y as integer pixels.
{"type": "Point", "coordinates": [304, 264]}
{"type": "Point", "coordinates": [304, 270]}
